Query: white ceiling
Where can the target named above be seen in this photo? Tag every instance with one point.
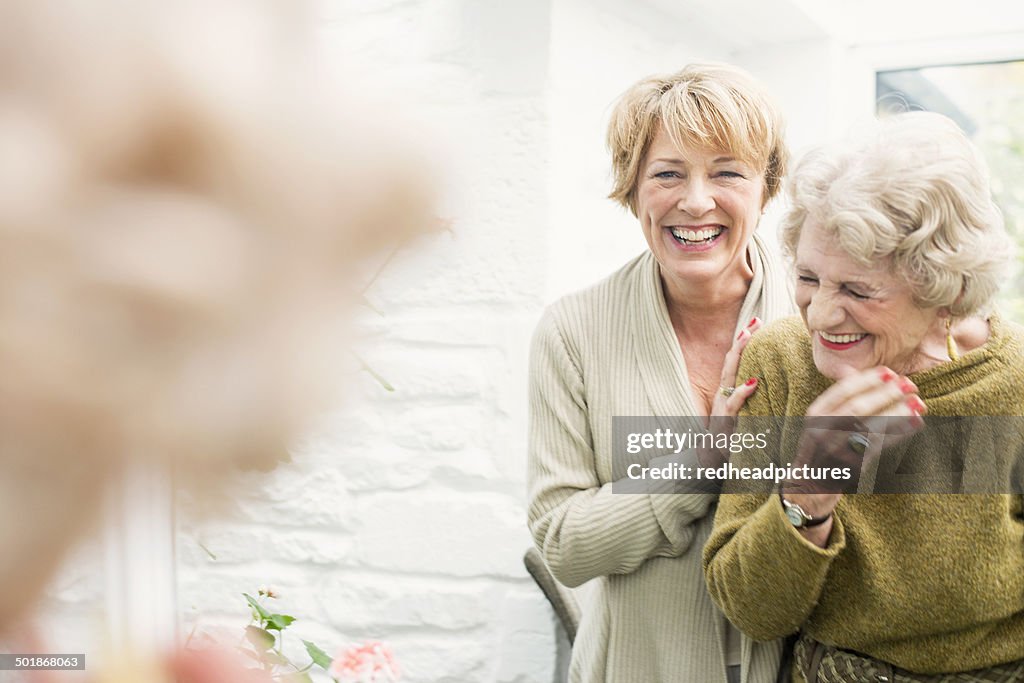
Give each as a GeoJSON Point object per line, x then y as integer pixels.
{"type": "Point", "coordinates": [880, 21]}
{"type": "Point", "coordinates": [742, 24]}
{"type": "Point", "coordinates": [746, 24]}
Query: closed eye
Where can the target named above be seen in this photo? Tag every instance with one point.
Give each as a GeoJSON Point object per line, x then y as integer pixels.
{"type": "Point", "coordinates": [807, 279]}
{"type": "Point", "coordinates": [857, 295]}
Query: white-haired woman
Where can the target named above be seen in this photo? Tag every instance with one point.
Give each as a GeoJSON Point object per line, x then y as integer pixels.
{"type": "Point", "coordinates": [897, 250]}
{"type": "Point", "coordinates": [697, 155]}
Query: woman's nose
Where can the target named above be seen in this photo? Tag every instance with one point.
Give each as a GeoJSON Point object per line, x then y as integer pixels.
{"type": "Point", "coordinates": [824, 312]}
{"type": "Point", "coordinates": [696, 198]}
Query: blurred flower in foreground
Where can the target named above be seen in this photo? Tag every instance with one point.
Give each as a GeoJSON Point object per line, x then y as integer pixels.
{"type": "Point", "coordinates": [185, 200]}
{"type": "Point", "coordinates": [371, 662]}
{"type": "Point", "coordinates": [214, 666]}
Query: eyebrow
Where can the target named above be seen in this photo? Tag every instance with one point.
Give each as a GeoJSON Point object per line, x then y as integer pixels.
{"type": "Point", "coordinates": [673, 160]}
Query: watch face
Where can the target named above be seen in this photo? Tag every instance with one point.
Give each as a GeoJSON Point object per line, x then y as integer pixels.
{"type": "Point", "coordinates": [794, 516]}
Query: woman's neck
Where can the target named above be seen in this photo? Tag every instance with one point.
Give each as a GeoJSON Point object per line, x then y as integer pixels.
{"type": "Point", "coordinates": [704, 309]}
{"type": "Point", "coordinates": [968, 334]}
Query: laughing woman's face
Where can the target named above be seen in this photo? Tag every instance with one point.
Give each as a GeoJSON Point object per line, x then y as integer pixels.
{"type": "Point", "coordinates": [698, 209]}
{"type": "Point", "coordinates": [860, 317]}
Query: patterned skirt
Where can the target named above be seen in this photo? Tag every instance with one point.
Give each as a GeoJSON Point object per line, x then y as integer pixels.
{"type": "Point", "coordinates": [819, 663]}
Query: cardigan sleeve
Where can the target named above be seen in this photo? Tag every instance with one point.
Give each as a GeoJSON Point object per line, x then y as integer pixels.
{"type": "Point", "coordinates": [581, 528]}
{"type": "Point", "coordinates": [763, 575]}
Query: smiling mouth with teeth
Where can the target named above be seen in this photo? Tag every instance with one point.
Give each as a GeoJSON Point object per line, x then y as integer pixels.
{"type": "Point", "coordinates": [702, 236]}
{"type": "Point", "coordinates": [842, 339]}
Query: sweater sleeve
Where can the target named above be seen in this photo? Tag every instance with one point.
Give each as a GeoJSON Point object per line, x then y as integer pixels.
{"type": "Point", "coordinates": [581, 528]}
{"type": "Point", "coordinates": [763, 575]}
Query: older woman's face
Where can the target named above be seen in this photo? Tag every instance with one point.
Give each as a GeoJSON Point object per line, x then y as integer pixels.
{"type": "Point", "coordinates": [698, 209]}
{"type": "Point", "coordinates": [859, 317]}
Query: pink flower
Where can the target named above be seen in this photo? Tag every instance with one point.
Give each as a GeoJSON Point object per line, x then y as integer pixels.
{"type": "Point", "coordinates": [371, 662]}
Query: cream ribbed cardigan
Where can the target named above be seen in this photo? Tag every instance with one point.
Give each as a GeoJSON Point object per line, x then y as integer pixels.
{"type": "Point", "coordinates": [606, 351]}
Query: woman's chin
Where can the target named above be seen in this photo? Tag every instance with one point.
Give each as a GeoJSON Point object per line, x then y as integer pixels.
{"type": "Point", "coordinates": [708, 267]}
{"type": "Point", "coordinates": [835, 368]}
{"type": "Point", "coordinates": [694, 273]}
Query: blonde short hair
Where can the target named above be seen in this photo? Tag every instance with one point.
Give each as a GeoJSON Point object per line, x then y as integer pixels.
{"type": "Point", "coordinates": [914, 190]}
{"type": "Point", "coordinates": [714, 106]}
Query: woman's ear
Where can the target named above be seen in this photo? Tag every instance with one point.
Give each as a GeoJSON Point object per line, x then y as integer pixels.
{"type": "Point", "coordinates": [947, 311]}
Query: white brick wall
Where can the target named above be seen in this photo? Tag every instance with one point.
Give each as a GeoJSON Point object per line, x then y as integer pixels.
{"type": "Point", "coordinates": [402, 517]}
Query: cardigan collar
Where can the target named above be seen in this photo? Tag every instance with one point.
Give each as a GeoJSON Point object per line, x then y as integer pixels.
{"type": "Point", "coordinates": [659, 358]}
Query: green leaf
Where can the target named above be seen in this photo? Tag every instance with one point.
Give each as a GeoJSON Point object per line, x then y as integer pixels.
{"type": "Point", "coordinates": [297, 677]}
{"type": "Point", "coordinates": [279, 622]}
{"type": "Point", "coordinates": [320, 658]}
{"type": "Point", "coordinates": [261, 640]}
{"type": "Point", "coordinates": [263, 614]}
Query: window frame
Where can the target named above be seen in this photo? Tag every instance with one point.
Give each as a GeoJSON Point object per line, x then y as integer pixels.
{"type": "Point", "coordinates": [863, 62]}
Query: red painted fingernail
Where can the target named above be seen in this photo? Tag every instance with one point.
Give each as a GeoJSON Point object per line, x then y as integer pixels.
{"type": "Point", "coordinates": [752, 321]}
{"type": "Point", "coordinates": [751, 382]}
{"type": "Point", "coordinates": [915, 404]}
{"type": "Point", "coordinates": [740, 335]}
{"type": "Point", "coordinates": [907, 387]}
{"type": "Point", "coordinates": [886, 374]}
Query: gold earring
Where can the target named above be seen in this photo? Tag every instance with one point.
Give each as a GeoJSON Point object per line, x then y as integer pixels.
{"type": "Point", "coordinates": [954, 353]}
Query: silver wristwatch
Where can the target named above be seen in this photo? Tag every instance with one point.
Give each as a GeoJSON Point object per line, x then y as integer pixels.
{"type": "Point", "coordinates": [798, 518]}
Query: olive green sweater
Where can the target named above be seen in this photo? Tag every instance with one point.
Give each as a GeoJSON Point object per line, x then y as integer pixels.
{"type": "Point", "coordinates": [929, 583]}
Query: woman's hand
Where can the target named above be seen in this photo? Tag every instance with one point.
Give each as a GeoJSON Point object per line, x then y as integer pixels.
{"type": "Point", "coordinates": [875, 405]}
{"type": "Point", "coordinates": [724, 409]}
{"type": "Point", "coordinates": [729, 406]}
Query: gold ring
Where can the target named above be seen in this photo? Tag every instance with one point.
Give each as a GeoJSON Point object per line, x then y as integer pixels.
{"type": "Point", "coordinates": [727, 391]}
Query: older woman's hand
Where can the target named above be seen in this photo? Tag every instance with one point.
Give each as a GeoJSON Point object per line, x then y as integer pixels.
{"type": "Point", "coordinates": [875, 404]}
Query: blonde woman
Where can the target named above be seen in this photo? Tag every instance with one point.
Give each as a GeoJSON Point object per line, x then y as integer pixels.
{"type": "Point", "coordinates": [697, 155]}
